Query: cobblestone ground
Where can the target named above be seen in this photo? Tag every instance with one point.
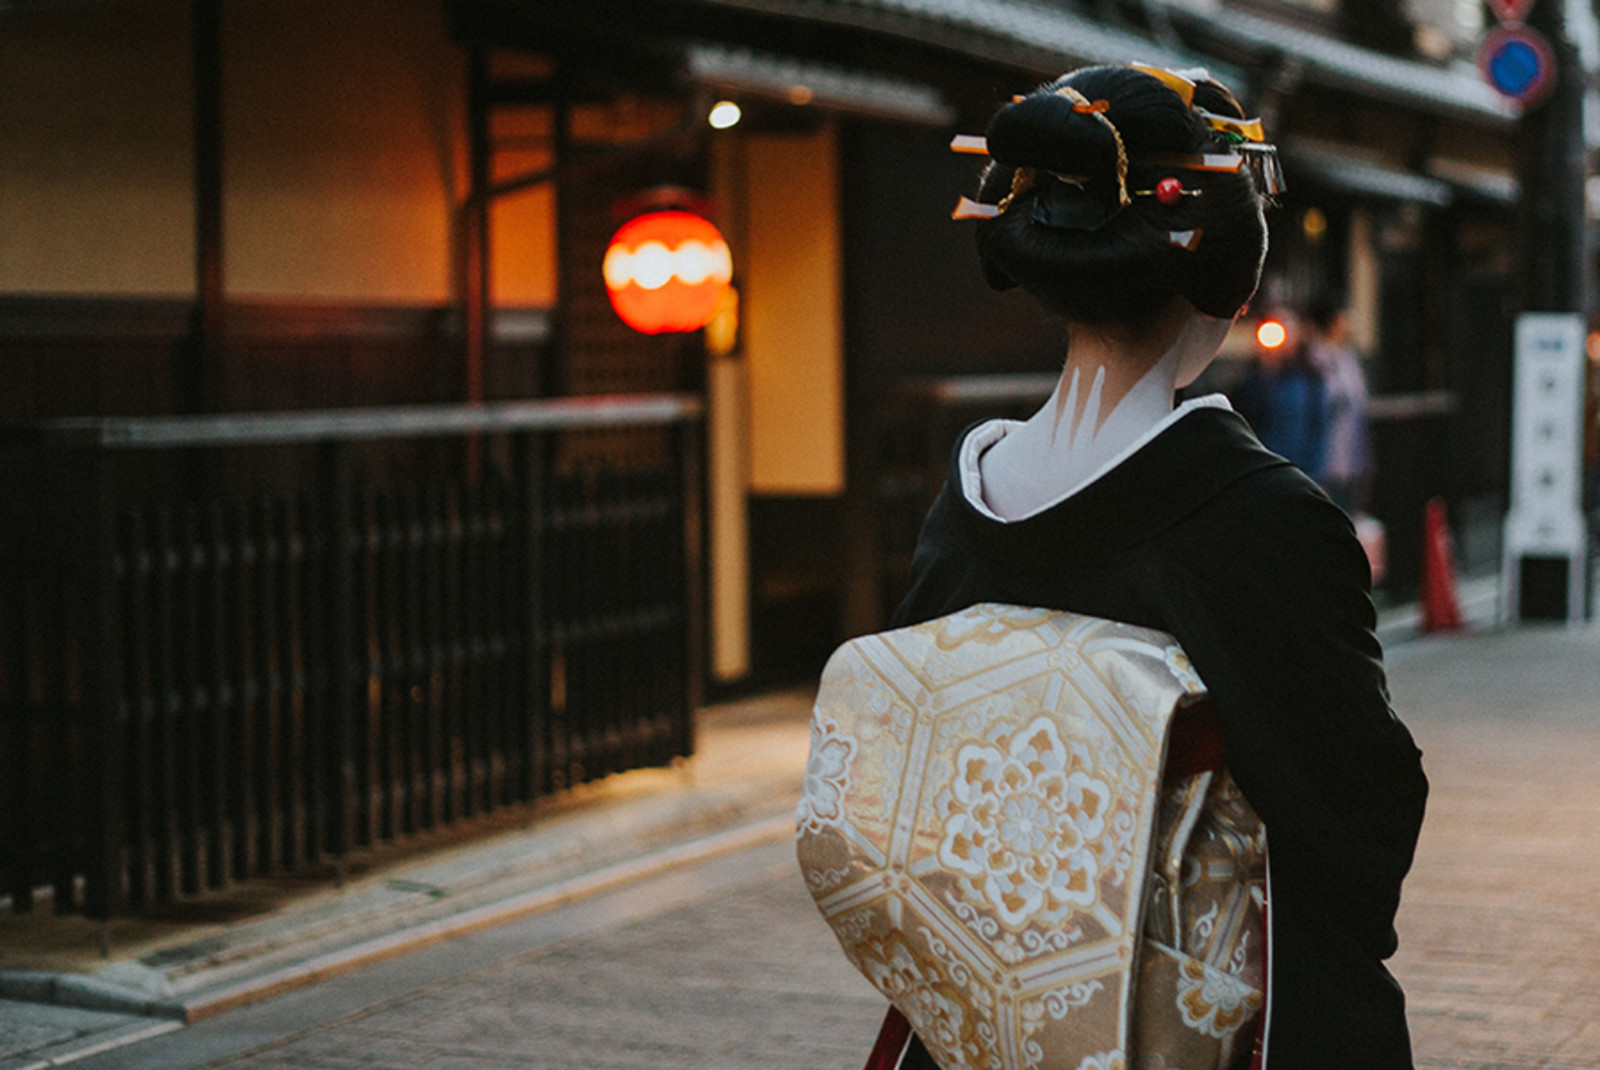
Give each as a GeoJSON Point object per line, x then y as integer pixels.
{"type": "Point", "coordinates": [1500, 939]}
{"type": "Point", "coordinates": [1500, 951]}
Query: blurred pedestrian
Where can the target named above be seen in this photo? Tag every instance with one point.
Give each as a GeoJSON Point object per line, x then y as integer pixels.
{"type": "Point", "coordinates": [1347, 455]}
{"type": "Point", "coordinates": [1283, 396]}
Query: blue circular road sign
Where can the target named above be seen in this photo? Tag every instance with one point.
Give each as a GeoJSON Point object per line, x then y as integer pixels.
{"type": "Point", "coordinates": [1519, 62]}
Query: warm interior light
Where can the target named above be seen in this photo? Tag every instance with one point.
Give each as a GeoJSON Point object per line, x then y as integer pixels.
{"type": "Point", "coordinates": [724, 113]}
{"type": "Point", "coordinates": [1271, 334]}
{"type": "Point", "coordinates": [1314, 224]}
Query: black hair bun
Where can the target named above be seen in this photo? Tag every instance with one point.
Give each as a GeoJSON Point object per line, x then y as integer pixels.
{"type": "Point", "coordinates": [1074, 235]}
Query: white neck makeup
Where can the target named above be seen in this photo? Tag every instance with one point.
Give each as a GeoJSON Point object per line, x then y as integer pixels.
{"type": "Point", "coordinates": [1068, 440]}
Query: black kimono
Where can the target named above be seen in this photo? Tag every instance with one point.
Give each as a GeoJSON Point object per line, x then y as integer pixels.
{"type": "Point", "coordinates": [1204, 534]}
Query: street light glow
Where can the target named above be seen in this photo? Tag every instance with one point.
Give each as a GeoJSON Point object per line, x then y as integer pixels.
{"type": "Point", "coordinates": [724, 113]}
{"type": "Point", "coordinates": [1271, 334]}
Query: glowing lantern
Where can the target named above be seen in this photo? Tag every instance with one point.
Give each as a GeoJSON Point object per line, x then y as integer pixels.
{"type": "Point", "coordinates": [667, 271]}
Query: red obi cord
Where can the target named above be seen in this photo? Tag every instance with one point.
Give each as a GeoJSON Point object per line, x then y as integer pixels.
{"type": "Point", "coordinates": [1194, 742]}
{"type": "Point", "coordinates": [892, 1041]}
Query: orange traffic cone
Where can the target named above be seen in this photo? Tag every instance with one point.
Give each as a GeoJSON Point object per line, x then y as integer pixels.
{"type": "Point", "coordinates": [1441, 609]}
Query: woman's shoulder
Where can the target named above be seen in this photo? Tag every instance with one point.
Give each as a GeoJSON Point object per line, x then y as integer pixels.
{"type": "Point", "coordinates": [1279, 521]}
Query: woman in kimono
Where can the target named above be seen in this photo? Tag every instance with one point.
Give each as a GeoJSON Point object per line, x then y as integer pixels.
{"type": "Point", "coordinates": [1115, 198]}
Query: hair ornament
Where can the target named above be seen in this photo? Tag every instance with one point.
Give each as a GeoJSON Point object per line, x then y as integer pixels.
{"type": "Point", "coordinates": [1178, 83]}
{"type": "Point", "coordinates": [1021, 181]}
{"type": "Point", "coordinates": [1244, 129]}
{"type": "Point", "coordinates": [1054, 207]}
{"type": "Point", "coordinates": [967, 208]}
{"type": "Point", "coordinates": [1169, 191]}
{"type": "Point", "coordinates": [1187, 240]}
{"type": "Point", "coordinates": [1084, 106]}
{"type": "Point", "coordinates": [1265, 168]}
{"type": "Point", "coordinates": [1246, 136]}
{"type": "Point", "coordinates": [1210, 161]}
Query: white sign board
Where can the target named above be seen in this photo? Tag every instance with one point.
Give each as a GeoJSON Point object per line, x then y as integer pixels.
{"type": "Point", "coordinates": [1546, 518]}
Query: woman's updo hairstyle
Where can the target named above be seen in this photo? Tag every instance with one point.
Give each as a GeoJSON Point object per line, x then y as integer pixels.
{"type": "Point", "coordinates": [1075, 240]}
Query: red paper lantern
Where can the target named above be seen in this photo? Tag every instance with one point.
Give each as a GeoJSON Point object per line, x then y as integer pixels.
{"type": "Point", "coordinates": [667, 271]}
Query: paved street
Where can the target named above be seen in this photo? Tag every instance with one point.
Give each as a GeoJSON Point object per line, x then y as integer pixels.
{"type": "Point", "coordinates": [726, 965]}
{"type": "Point", "coordinates": [1500, 941]}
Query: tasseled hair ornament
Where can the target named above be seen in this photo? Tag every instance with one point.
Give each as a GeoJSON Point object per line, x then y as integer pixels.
{"type": "Point", "coordinates": [1245, 137]}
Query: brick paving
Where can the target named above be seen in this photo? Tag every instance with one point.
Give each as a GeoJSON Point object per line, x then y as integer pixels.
{"type": "Point", "coordinates": [1500, 951]}
{"type": "Point", "coordinates": [1500, 937]}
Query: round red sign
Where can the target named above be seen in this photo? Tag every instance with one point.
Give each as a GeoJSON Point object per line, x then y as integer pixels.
{"type": "Point", "coordinates": [667, 272]}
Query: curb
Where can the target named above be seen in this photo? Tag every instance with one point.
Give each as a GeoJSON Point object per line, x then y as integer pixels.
{"type": "Point", "coordinates": [87, 1047]}
{"type": "Point", "coordinates": [207, 1004]}
{"type": "Point", "coordinates": [91, 993]}
{"type": "Point", "coordinates": [84, 993]}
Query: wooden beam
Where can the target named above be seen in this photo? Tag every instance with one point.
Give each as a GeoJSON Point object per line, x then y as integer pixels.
{"type": "Point", "coordinates": [198, 378]}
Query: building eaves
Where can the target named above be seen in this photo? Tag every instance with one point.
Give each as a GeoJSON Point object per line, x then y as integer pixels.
{"type": "Point", "coordinates": [739, 70]}
{"type": "Point", "coordinates": [1335, 167]}
{"type": "Point", "coordinates": [1036, 36]}
{"type": "Point", "coordinates": [1457, 90]}
{"type": "Point", "coordinates": [1479, 183]}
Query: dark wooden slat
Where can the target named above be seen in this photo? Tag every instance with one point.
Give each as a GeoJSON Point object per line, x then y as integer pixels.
{"type": "Point", "coordinates": [311, 750]}
{"type": "Point", "coordinates": [395, 677]}
{"type": "Point", "coordinates": [192, 700]}
{"type": "Point", "coordinates": [433, 551]}
{"type": "Point", "coordinates": [417, 694]}
{"type": "Point", "coordinates": [17, 835]}
{"type": "Point", "coordinates": [498, 746]}
{"type": "Point", "coordinates": [246, 622]}
{"type": "Point", "coordinates": [690, 592]}
{"type": "Point", "coordinates": [337, 724]}
{"type": "Point", "coordinates": [452, 654]}
{"type": "Point", "coordinates": [164, 685]}
{"type": "Point", "coordinates": [369, 740]}
{"type": "Point", "coordinates": [142, 710]}
{"type": "Point", "coordinates": [274, 666]}
{"type": "Point", "coordinates": [475, 648]}
{"type": "Point", "coordinates": [295, 771]}
{"type": "Point", "coordinates": [529, 722]}
{"type": "Point", "coordinates": [65, 801]}
{"type": "Point", "coordinates": [220, 727]}
{"type": "Point", "coordinates": [23, 744]}
{"type": "Point", "coordinates": [100, 726]}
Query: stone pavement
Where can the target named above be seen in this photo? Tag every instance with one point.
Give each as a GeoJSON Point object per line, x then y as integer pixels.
{"type": "Point", "coordinates": [1500, 935]}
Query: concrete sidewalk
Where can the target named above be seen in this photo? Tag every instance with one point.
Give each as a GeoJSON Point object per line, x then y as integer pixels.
{"type": "Point", "coordinates": [266, 938]}
{"type": "Point", "coordinates": [187, 964]}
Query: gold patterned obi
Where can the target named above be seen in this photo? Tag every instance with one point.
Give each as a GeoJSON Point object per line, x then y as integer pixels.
{"type": "Point", "coordinates": [986, 827]}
